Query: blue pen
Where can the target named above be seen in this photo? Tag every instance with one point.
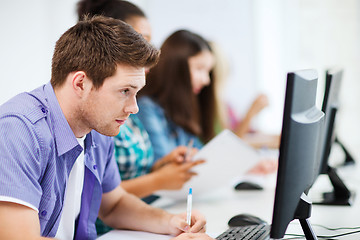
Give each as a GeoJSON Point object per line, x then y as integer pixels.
{"type": "Point", "coordinates": [189, 207]}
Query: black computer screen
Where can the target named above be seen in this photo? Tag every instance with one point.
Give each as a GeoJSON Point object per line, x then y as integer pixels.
{"type": "Point", "coordinates": [329, 107]}
{"type": "Point", "coordinates": [340, 195]}
{"type": "Point", "coordinates": [299, 156]}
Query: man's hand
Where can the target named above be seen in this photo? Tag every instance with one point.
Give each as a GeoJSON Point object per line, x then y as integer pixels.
{"type": "Point", "coordinates": [196, 236]}
{"type": "Point", "coordinates": [121, 210]}
{"type": "Point", "coordinates": [178, 225]}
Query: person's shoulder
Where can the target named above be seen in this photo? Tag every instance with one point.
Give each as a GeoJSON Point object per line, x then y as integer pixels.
{"type": "Point", "coordinates": [23, 119]}
{"type": "Point", "coordinates": [148, 105]}
{"type": "Point", "coordinates": [25, 105]}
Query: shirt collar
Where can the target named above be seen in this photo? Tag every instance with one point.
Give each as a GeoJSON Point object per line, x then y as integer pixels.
{"type": "Point", "coordinates": [65, 139]}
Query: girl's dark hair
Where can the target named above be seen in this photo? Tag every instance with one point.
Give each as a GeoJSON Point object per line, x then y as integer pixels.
{"type": "Point", "coordinates": [169, 84]}
{"type": "Point", "coordinates": [117, 9]}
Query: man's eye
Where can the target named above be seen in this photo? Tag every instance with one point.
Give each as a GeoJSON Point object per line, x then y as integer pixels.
{"type": "Point", "coordinates": [125, 91]}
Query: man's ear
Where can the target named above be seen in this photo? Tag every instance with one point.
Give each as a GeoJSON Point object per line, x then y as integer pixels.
{"type": "Point", "coordinates": [79, 83]}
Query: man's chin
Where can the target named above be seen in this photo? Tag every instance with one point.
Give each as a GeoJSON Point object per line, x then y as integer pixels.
{"type": "Point", "coordinates": [110, 133]}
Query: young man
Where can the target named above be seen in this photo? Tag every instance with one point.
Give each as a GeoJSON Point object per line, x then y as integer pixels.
{"type": "Point", "coordinates": [57, 168]}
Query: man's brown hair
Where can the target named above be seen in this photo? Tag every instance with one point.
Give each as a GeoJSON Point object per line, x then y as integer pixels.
{"type": "Point", "coordinates": [96, 45]}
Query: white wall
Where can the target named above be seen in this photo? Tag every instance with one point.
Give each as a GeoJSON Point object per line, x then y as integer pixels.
{"type": "Point", "coordinates": [228, 23]}
{"type": "Point", "coordinates": [29, 30]}
{"type": "Point", "coordinates": [263, 39]}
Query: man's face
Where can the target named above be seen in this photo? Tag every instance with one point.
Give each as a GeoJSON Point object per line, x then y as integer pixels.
{"type": "Point", "coordinates": [108, 107]}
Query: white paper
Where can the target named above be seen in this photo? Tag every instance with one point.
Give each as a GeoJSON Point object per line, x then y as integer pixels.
{"type": "Point", "coordinates": [227, 158]}
{"type": "Point", "coordinates": [133, 235]}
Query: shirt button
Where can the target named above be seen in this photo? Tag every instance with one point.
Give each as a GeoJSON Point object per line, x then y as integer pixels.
{"type": "Point", "coordinates": [95, 167]}
{"type": "Point", "coordinates": [43, 110]}
{"type": "Point", "coordinates": [43, 213]}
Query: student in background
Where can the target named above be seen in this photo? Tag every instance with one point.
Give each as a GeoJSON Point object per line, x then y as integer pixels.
{"type": "Point", "coordinates": [226, 117]}
{"type": "Point", "coordinates": [178, 102]}
{"type": "Point", "coordinates": [172, 104]}
{"type": "Point", "coordinates": [56, 137]}
{"type": "Point", "coordinates": [142, 174]}
{"type": "Point", "coordinates": [118, 9]}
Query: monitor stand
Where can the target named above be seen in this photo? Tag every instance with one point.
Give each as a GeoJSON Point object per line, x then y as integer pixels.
{"type": "Point", "coordinates": [341, 195]}
{"type": "Point", "coordinates": [303, 213]}
{"type": "Point", "coordinates": [349, 160]}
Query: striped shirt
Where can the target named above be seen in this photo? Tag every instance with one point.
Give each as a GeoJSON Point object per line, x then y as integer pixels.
{"type": "Point", "coordinates": [37, 152]}
{"type": "Point", "coordinates": [133, 153]}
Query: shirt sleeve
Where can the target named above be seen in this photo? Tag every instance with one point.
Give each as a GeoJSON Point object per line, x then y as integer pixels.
{"type": "Point", "coordinates": [197, 143]}
{"type": "Point", "coordinates": [20, 166]}
{"type": "Point", "coordinates": [153, 119]}
{"type": "Point", "coordinates": [111, 175]}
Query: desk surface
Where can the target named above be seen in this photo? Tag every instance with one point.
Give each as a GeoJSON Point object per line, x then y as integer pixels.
{"type": "Point", "coordinates": [221, 205]}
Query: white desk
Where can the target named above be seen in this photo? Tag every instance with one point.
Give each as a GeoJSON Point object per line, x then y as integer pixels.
{"type": "Point", "coordinates": [218, 209]}
{"type": "Point", "coordinates": [221, 205]}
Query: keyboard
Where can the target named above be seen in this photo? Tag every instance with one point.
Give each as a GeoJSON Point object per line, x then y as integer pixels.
{"type": "Point", "coordinates": [260, 232]}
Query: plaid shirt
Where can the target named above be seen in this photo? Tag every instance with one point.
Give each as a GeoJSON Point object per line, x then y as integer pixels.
{"type": "Point", "coordinates": [133, 151]}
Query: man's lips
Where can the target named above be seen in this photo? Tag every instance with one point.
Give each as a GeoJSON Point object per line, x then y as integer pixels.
{"type": "Point", "coordinates": [121, 122]}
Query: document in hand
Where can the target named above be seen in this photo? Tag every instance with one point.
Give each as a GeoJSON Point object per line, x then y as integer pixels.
{"type": "Point", "coordinates": [227, 158]}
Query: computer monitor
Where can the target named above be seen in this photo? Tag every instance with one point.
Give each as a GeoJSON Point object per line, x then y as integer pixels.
{"type": "Point", "coordinates": [341, 195]}
{"type": "Point", "coordinates": [299, 156]}
{"type": "Point", "coordinates": [334, 77]}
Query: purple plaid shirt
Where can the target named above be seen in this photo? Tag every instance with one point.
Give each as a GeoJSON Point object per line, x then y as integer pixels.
{"type": "Point", "coordinates": [37, 152]}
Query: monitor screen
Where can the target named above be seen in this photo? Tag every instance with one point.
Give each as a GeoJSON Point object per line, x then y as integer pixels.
{"type": "Point", "coordinates": [329, 107]}
{"type": "Point", "coordinates": [299, 156]}
{"type": "Point", "coordinates": [340, 195]}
